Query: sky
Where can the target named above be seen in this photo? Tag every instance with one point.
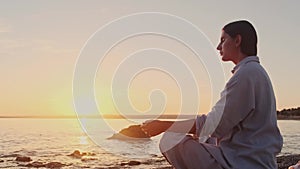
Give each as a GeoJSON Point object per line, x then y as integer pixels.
{"type": "Point", "coordinates": [41, 41]}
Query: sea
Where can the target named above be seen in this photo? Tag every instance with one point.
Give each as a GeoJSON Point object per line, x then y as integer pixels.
{"type": "Point", "coordinates": [56, 140]}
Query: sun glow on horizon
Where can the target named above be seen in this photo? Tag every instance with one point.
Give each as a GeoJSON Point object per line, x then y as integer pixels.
{"type": "Point", "coordinates": [41, 41]}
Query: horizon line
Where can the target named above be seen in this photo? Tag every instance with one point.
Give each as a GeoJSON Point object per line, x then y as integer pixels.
{"type": "Point", "coordinates": [109, 116]}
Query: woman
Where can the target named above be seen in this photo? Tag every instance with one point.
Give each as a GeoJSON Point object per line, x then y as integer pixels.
{"type": "Point", "coordinates": [243, 121]}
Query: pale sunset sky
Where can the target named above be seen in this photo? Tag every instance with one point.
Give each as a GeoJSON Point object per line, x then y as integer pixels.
{"type": "Point", "coordinates": [40, 42]}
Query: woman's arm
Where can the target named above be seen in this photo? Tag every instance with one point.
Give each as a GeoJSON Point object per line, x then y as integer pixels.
{"type": "Point", "coordinates": [156, 127]}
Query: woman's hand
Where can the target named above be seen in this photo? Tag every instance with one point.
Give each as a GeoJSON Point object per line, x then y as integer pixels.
{"type": "Point", "coordinates": [156, 127]}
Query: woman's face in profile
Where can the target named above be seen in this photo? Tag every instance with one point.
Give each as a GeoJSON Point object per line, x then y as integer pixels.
{"type": "Point", "coordinates": [227, 47]}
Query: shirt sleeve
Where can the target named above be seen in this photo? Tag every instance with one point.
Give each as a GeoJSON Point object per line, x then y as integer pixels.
{"type": "Point", "coordinates": [237, 102]}
{"type": "Point", "coordinates": [200, 120]}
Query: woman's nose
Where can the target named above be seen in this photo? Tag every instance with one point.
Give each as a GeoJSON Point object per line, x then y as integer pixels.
{"type": "Point", "coordinates": [219, 47]}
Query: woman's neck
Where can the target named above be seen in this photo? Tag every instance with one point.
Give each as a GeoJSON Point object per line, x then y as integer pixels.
{"type": "Point", "coordinates": [239, 58]}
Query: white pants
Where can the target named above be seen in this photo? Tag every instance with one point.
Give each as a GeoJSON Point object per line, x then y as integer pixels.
{"type": "Point", "coordinates": [190, 154]}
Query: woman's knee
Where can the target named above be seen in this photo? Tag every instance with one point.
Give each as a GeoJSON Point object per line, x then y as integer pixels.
{"type": "Point", "coordinates": [166, 145]}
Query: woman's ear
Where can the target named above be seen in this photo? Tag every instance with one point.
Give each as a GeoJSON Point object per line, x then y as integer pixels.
{"type": "Point", "coordinates": [238, 40]}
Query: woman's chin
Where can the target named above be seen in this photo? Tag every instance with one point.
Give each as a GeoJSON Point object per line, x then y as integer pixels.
{"type": "Point", "coordinates": [225, 59]}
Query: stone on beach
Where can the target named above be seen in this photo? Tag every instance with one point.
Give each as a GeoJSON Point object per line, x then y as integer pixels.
{"type": "Point", "coordinates": [78, 154]}
{"type": "Point", "coordinates": [38, 164]}
{"type": "Point", "coordinates": [131, 132]}
{"type": "Point", "coordinates": [286, 161]}
{"type": "Point", "coordinates": [35, 164]}
{"type": "Point", "coordinates": [54, 165]}
{"type": "Point", "coordinates": [131, 163]}
{"type": "Point", "coordinates": [23, 159]}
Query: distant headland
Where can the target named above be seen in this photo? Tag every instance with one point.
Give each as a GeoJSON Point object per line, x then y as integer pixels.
{"type": "Point", "coordinates": [289, 114]}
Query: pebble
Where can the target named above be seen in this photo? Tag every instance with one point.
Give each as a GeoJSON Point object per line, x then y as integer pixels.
{"type": "Point", "coordinates": [78, 154]}
{"type": "Point", "coordinates": [38, 164]}
{"type": "Point", "coordinates": [130, 163]}
{"type": "Point", "coordinates": [35, 164]}
{"type": "Point", "coordinates": [54, 165]}
{"type": "Point", "coordinates": [23, 159]}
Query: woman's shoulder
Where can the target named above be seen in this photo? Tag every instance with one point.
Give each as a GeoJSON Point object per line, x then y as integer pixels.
{"type": "Point", "coordinates": [250, 71]}
{"type": "Point", "coordinates": [250, 68]}
{"type": "Point", "coordinates": [246, 73]}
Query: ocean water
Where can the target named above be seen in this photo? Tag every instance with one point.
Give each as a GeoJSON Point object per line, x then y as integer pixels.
{"type": "Point", "coordinates": [52, 140]}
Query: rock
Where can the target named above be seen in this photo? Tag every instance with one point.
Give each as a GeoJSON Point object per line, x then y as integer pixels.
{"type": "Point", "coordinates": [131, 163]}
{"type": "Point", "coordinates": [35, 164]}
{"type": "Point", "coordinates": [23, 159]}
{"type": "Point", "coordinates": [54, 165]}
{"type": "Point", "coordinates": [78, 154]}
{"type": "Point", "coordinates": [156, 160]}
{"type": "Point", "coordinates": [132, 132]}
{"type": "Point", "coordinates": [287, 160]}
{"type": "Point", "coordinates": [90, 154]}
{"type": "Point", "coordinates": [38, 164]}
{"type": "Point", "coordinates": [154, 155]}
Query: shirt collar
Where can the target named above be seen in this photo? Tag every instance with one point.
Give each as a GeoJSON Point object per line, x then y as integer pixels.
{"type": "Point", "coordinates": [244, 61]}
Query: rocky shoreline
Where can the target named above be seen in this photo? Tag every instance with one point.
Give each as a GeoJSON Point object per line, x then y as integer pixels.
{"type": "Point", "coordinates": [286, 161]}
{"type": "Point", "coordinates": [156, 162]}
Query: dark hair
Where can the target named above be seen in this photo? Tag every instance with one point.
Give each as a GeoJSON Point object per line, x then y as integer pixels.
{"type": "Point", "coordinates": [246, 30]}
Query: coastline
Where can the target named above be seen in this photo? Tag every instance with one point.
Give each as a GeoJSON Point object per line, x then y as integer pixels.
{"type": "Point", "coordinates": [156, 162]}
{"type": "Point", "coordinates": [288, 117]}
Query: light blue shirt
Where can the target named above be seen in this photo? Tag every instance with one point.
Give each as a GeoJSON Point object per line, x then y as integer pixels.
{"type": "Point", "coordinates": [244, 119]}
